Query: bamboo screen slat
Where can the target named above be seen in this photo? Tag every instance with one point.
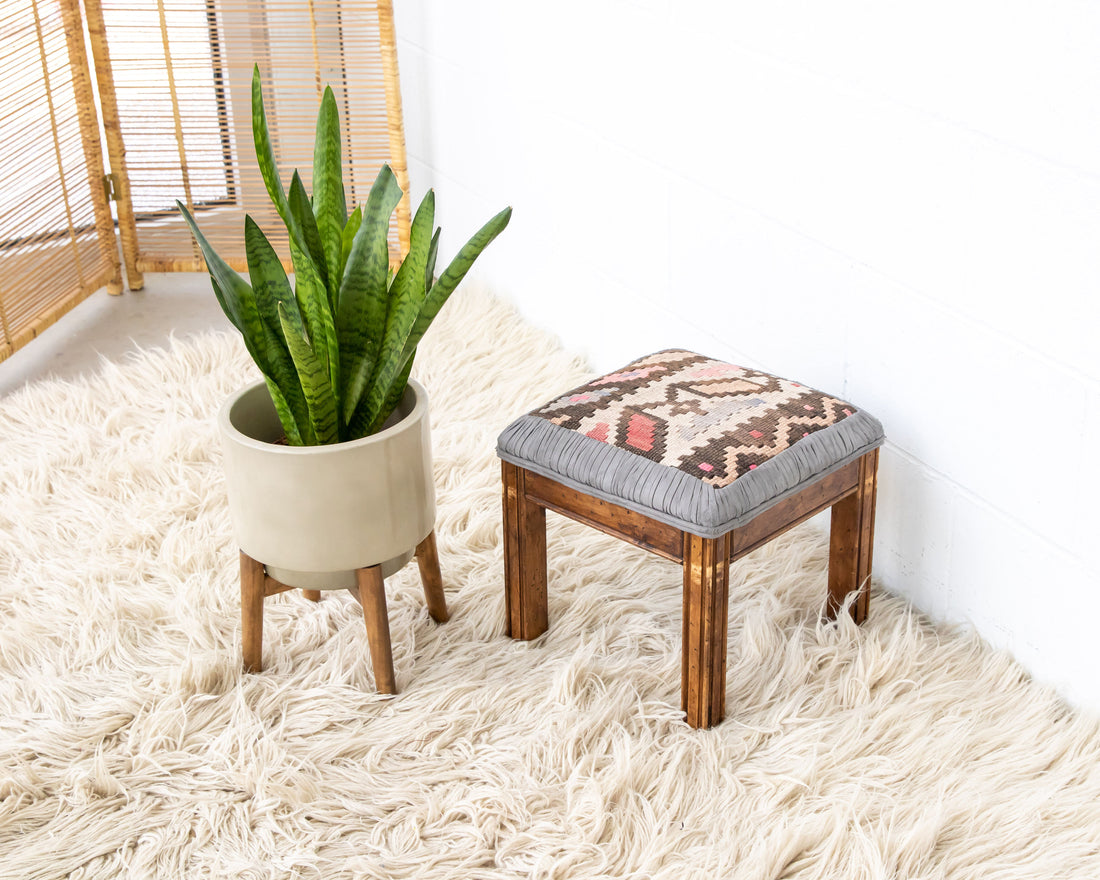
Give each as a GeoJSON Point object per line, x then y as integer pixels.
{"type": "Point", "coordinates": [57, 242]}
{"type": "Point", "coordinates": [182, 72]}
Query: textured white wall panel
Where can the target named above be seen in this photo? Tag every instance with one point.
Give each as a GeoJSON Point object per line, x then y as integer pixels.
{"type": "Point", "coordinates": [901, 206]}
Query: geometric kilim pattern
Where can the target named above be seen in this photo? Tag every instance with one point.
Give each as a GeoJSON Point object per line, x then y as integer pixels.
{"type": "Point", "coordinates": [712, 420]}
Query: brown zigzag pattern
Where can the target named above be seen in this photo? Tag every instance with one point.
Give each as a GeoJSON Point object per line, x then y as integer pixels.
{"type": "Point", "coordinates": [713, 420]}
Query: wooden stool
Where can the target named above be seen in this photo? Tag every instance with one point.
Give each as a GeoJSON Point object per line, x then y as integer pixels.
{"type": "Point", "coordinates": [257, 585]}
{"type": "Point", "coordinates": [700, 462]}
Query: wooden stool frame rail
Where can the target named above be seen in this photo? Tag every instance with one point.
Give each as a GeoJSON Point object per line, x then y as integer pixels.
{"type": "Point", "coordinates": [850, 491]}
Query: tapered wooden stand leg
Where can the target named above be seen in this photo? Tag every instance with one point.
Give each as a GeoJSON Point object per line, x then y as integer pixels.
{"type": "Point", "coordinates": [706, 605]}
{"type": "Point", "coordinates": [524, 558]}
{"type": "Point", "coordinates": [372, 596]}
{"type": "Point", "coordinates": [851, 542]}
{"type": "Point", "coordinates": [427, 560]}
{"type": "Point", "coordinates": [312, 595]}
{"type": "Point", "coordinates": [252, 613]}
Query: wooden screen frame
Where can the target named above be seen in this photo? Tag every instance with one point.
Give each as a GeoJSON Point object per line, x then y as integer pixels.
{"type": "Point", "coordinates": [38, 304]}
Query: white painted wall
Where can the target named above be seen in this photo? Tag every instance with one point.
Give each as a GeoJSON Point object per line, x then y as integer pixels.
{"type": "Point", "coordinates": [896, 203]}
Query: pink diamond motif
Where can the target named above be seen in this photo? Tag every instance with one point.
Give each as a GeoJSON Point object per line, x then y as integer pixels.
{"type": "Point", "coordinates": [600, 432]}
{"type": "Point", "coordinates": [639, 433]}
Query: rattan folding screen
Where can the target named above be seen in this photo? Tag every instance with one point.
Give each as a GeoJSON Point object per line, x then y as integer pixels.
{"type": "Point", "coordinates": [173, 86]}
{"type": "Point", "coordinates": [56, 235]}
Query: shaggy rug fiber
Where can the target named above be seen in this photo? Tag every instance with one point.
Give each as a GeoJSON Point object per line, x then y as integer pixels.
{"type": "Point", "coordinates": [132, 745]}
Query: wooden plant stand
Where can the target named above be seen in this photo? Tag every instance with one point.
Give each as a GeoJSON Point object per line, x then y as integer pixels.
{"type": "Point", "coordinates": [257, 585]}
{"type": "Point", "coordinates": [849, 491]}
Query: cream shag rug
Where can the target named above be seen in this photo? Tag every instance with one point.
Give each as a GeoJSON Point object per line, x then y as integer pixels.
{"type": "Point", "coordinates": [131, 744]}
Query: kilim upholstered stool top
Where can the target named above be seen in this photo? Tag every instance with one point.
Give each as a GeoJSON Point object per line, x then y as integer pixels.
{"type": "Point", "coordinates": [701, 462]}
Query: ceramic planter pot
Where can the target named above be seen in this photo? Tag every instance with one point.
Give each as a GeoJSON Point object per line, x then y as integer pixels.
{"type": "Point", "coordinates": [314, 514]}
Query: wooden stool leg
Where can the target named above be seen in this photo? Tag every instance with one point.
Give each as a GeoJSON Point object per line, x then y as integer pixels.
{"type": "Point", "coordinates": [851, 542]}
{"type": "Point", "coordinates": [372, 596]}
{"type": "Point", "coordinates": [427, 560]}
{"type": "Point", "coordinates": [524, 558]}
{"type": "Point", "coordinates": [312, 595]}
{"type": "Point", "coordinates": [706, 606]}
{"type": "Point", "coordinates": [252, 613]}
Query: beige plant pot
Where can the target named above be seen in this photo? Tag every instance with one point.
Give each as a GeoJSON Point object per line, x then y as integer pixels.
{"type": "Point", "coordinates": [314, 514]}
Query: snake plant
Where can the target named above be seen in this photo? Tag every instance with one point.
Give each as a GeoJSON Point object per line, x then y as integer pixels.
{"type": "Point", "coordinates": [337, 347]}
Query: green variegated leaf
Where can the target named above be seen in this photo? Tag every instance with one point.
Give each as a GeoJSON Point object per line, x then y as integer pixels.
{"type": "Point", "coordinates": [329, 206]}
{"type": "Point", "coordinates": [313, 375]}
{"type": "Point", "coordinates": [312, 299]}
{"type": "Point", "coordinates": [272, 289]}
{"type": "Point", "coordinates": [228, 307]}
{"type": "Point", "coordinates": [265, 346]}
{"type": "Point", "coordinates": [346, 239]}
{"type": "Point", "coordinates": [286, 414]}
{"type": "Point", "coordinates": [393, 396]}
{"type": "Point", "coordinates": [460, 265]}
{"type": "Point", "coordinates": [406, 299]}
{"type": "Point", "coordinates": [429, 269]}
{"type": "Point", "coordinates": [309, 282]}
{"type": "Point", "coordinates": [236, 296]}
{"type": "Point", "coordinates": [269, 281]}
{"type": "Point", "coordinates": [361, 307]}
{"type": "Point", "coordinates": [269, 170]}
{"type": "Point", "coordinates": [265, 152]}
{"type": "Point", "coordinates": [453, 274]}
{"type": "Point", "coordinates": [232, 291]}
{"type": "Point", "coordinates": [308, 235]}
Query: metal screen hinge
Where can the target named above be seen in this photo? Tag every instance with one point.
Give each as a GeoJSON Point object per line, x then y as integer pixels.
{"type": "Point", "coordinates": [110, 188]}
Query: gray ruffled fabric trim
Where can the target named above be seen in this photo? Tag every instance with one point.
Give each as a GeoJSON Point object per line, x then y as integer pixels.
{"type": "Point", "coordinates": [672, 496]}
